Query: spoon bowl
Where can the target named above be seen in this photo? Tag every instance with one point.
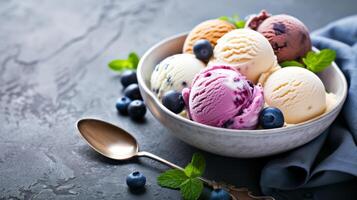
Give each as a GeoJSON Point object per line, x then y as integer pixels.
{"type": "Point", "coordinates": [108, 139]}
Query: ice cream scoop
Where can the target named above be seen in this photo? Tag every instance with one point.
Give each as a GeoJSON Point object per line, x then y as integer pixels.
{"type": "Point", "coordinates": [288, 36]}
{"type": "Point", "coordinates": [248, 51]}
{"type": "Point", "coordinates": [255, 20]}
{"type": "Point", "coordinates": [175, 73]}
{"type": "Point", "coordinates": [220, 96]}
{"type": "Point", "coordinates": [297, 92]}
{"type": "Point", "coordinates": [210, 30]}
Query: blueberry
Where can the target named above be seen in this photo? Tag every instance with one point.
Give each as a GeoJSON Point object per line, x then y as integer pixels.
{"type": "Point", "coordinates": [136, 180]}
{"type": "Point", "coordinates": [128, 77]}
{"type": "Point", "coordinates": [173, 101]}
{"type": "Point", "coordinates": [271, 117]}
{"type": "Point", "coordinates": [137, 109]}
{"type": "Point", "coordinates": [219, 194]}
{"type": "Point", "coordinates": [203, 50]}
{"type": "Point", "coordinates": [132, 91]}
{"type": "Point", "coordinates": [122, 105]}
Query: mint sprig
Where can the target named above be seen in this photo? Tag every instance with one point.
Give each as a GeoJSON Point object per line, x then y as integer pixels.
{"type": "Point", "coordinates": [187, 180]}
{"type": "Point", "coordinates": [235, 20]}
{"type": "Point", "coordinates": [314, 61]}
{"type": "Point", "coordinates": [318, 61]}
{"type": "Point", "coordinates": [122, 64]}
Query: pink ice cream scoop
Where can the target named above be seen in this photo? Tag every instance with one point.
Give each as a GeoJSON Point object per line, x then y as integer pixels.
{"type": "Point", "coordinates": [220, 96]}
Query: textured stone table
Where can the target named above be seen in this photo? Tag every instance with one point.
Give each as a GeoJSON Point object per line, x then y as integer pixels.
{"type": "Point", "coordinates": [53, 58]}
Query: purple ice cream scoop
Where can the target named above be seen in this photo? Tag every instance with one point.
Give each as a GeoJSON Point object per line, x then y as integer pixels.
{"type": "Point", "coordinates": [220, 96]}
{"type": "Point", "coordinates": [288, 36]}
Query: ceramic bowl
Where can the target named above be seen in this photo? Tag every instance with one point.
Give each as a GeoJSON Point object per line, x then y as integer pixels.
{"type": "Point", "coordinates": [229, 142]}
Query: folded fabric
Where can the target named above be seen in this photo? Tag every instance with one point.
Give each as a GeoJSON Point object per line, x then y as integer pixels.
{"type": "Point", "coordinates": [331, 158]}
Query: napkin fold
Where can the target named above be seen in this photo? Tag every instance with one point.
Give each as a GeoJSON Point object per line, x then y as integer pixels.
{"type": "Point", "coordinates": [331, 158]}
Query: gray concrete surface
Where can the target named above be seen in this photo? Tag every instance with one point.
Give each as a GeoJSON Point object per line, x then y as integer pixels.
{"type": "Point", "coordinates": [53, 57]}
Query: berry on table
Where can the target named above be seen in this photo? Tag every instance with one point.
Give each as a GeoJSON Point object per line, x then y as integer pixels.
{"type": "Point", "coordinates": [132, 91]}
{"type": "Point", "coordinates": [128, 77]}
{"type": "Point", "coordinates": [173, 101]}
{"type": "Point", "coordinates": [219, 194]}
{"type": "Point", "coordinates": [137, 109]}
{"type": "Point", "coordinates": [271, 117]}
{"type": "Point", "coordinates": [122, 105]}
{"type": "Point", "coordinates": [203, 50]}
{"type": "Point", "coordinates": [136, 180]}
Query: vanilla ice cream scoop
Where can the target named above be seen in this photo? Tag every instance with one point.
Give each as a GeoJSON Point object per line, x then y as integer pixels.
{"type": "Point", "coordinates": [297, 92]}
{"type": "Point", "coordinates": [248, 51]}
{"type": "Point", "coordinates": [175, 73]}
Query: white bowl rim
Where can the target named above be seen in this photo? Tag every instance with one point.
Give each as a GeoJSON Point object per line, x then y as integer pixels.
{"type": "Point", "coordinates": [234, 132]}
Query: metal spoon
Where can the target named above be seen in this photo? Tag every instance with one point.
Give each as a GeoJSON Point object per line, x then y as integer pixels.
{"type": "Point", "coordinates": [115, 143]}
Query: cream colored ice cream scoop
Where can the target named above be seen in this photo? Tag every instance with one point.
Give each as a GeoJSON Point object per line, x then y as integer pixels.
{"type": "Point", "coordinates": [210, 30]}
{"type": "Point", "coordinates": [174, 73]}
{"type": "Point", "coordinates": [297, 92]}
{"type": "Point", "coordinates": [248, 51]}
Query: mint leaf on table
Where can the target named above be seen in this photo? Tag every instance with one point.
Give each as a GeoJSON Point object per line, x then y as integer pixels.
{"type": "Point", "coordinates": [172, 178]}
{"type": "Point", "coordinates": [134, 59]}
{"type": "Point", "coordinates": [121, 64]}
{"type": "Point", "coordinates": [235, 20]}
{"type": "Point", "coordinates": [318, 61]}
{"type": "Point", "coordinates": [196, 167]}
{"type": "Point", "coordinates": [191, 189]}
{"type": "Point", "coordinates": [290, 63]}
{"type": "Point", "coordinates": [187, 180]}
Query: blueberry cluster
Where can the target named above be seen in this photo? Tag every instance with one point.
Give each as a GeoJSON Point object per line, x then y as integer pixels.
{"type": "Point", "coordinates": [131, 104]}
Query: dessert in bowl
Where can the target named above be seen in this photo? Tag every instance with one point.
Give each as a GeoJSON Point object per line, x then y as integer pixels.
{"type": "Point", "coordinates": [232, 128]}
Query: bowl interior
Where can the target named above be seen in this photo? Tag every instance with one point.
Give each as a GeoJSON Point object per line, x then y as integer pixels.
{"type": "Point", "coordinates": [332, 77]}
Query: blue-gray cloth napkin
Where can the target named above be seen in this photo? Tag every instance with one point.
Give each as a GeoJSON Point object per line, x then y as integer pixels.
{"type": "Point", "coordinates": [330, 160]}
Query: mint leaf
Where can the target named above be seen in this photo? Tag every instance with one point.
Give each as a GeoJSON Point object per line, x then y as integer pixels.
{"type": "Point", "coordinates": [122, 64]}
{"type": "Point", "coordinates": [192, 171]}
{"type": "Point", "coordinates": [134, 59]}
{"type": "Point", "coordinates": [187, 181]}
{"type": "Point", "coordinates": [224, 18]}
{"type": "Point", "coordinates": [119, 65]}
{"type": "Point", "coordinates": [291, 63]}
{"type": "Point", "coordinates": [235, 20]}
{"type": "Point", "coordinates": [196, 167]}
{"type": "Point", "coordinates": [240, 24]}
{"type": "Point", "coordinates": [318, 61]}
{"type": "Point", "coordinates": [172, 178]}
{"type": "Point", "coordinates": [191, 189]}
{"type": "Point", "coordinates": [198, 161]}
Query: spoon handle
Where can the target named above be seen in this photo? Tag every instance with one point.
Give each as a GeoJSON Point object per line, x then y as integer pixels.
{"type": "Point", "coordinates": [157, 158]}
